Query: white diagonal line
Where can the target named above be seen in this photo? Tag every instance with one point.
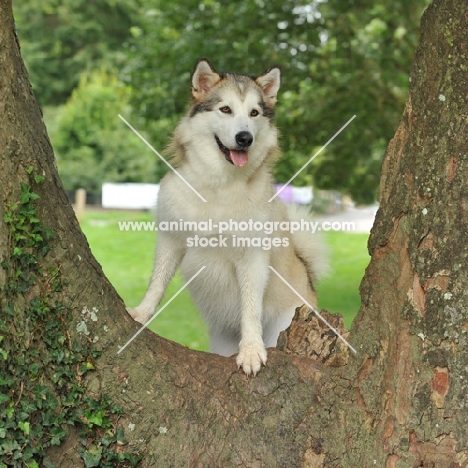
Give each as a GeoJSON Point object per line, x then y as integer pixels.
{"type": "Point", "coordinates": [313, 310]}
{"type": "Point", "coordinates": [312, 158]}
{"type": "Point", "coordinates": [160, 157]}
{"type": "Point", "coordinates": [160, 310]}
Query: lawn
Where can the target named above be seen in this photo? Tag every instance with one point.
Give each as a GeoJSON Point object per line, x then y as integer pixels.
{"type": "Point", "coordinates": [127, 257]}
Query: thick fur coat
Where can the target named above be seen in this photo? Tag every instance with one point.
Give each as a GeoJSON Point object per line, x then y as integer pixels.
{"type": "Point", "coordinates": [223, 151]}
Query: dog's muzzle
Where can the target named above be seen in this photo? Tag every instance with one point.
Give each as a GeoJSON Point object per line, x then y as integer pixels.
{"type": "Point", "coordinates": [238, 156]}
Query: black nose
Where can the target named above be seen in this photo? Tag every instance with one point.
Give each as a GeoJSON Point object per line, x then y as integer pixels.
{"type": "Point", "coordinates": [244, 139]}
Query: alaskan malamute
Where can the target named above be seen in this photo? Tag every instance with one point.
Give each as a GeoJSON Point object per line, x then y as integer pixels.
{"type": "Point", "coordinates": [218, 210]}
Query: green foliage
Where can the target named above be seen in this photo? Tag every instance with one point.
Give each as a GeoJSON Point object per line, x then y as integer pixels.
{"type": "Point", "coordinates": [92, 144]}
{"type": "Point", "coordinates": [362, 69]}
{"type": "Point", "coordinates": [338, 59]}
{"type": "Point", "coordinates": [26, 236]}
{"type": "Point", "coordinates": [41, 372]}
{"type": "Point", "coordinates": [62, 39]}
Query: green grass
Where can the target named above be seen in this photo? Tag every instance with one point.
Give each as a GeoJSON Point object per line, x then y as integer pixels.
{"type": "Point", "coordinates": [127, 258]}
{"type": "Point", "coordinates": [339, 291]}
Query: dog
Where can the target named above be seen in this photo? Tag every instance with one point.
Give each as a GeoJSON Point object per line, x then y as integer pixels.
{"type": "Point", "coordinates": [223, 151]}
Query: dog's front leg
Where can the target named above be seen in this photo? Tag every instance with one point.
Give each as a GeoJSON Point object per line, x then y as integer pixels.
{"type": "Point", "coordinates": [252, 274]}
{"type": "Point", "coordinates": [169, 254]}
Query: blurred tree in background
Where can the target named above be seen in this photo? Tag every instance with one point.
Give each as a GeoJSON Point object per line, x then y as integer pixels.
{"type": "Point", "coordinates": [90, 144]}
{"type": "Point", "coordinates": [62, 39]}
{"type": "Point", "coordinates": [339, 58]}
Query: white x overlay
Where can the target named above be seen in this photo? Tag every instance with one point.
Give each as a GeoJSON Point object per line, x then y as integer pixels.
{"type": "Point", "coordinates": [312, 158]}
{"type": "Point", "coordinates": [313, 309]}
{"type": "Point", "coordinates": [161, 309]}
{"type": "Point", "coordinates": [162, 159]}
{"type": "Point", "coordinates": [270, 200]}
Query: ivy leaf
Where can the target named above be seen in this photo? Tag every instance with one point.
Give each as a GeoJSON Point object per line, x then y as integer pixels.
{"type": "Point", "coordinates": [92, 457]}
{"type": "Point", "coordinates": [85, 367]}
{"type": "Point", "coordinates": [95, 418]}
{"type": "Point", "coordinates": [25, 193]}
{"type": "Point", "coordinates": [28, 406]}
{"type": "Point", "coordinates": [25, 427]}
{"type": "Point", "coordinates": [58, 437]}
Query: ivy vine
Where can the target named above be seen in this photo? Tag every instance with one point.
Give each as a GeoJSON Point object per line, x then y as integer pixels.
{"type": "Point", "coordinates": [41, 367]}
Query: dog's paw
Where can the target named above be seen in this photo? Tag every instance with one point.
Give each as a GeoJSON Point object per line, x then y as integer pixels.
{"type": "Point", "coordinates": [251, 357]}
{"type": "Point", "coordinates": [138, 315]}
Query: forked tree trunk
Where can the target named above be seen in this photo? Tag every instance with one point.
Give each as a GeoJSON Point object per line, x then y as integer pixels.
{"type": "Point", "coordinates": [400, 402]}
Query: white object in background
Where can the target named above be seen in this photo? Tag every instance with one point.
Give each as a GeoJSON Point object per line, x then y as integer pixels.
{"type": "Point", "coordinates": [129, 196]}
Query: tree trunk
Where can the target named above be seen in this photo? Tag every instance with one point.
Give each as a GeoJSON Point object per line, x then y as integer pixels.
{"type": "Point", "coordinates": [400, 402]}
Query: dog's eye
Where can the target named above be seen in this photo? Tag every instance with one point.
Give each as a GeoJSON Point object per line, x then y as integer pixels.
{"type": "Point", "coordinates": [225, 110]}
{"type": "Point", "coordinates": [254, 113]}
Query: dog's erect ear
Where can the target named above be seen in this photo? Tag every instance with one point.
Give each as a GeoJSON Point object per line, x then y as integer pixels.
{"type": "Point", "coordinates": [270, 82]}
{"type": "Point", "coordinates": [204, 78]}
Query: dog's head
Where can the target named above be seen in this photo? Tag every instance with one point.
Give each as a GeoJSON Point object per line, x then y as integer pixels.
{"type": "Point", "coordinates": [233, 114]}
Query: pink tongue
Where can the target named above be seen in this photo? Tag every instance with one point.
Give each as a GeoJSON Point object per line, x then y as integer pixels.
{"type": "Point", "coordinates": [239, 158]}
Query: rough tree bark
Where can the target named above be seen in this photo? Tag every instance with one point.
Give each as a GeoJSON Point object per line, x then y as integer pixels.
{"type": "Point", "coordinates": [400, 402]}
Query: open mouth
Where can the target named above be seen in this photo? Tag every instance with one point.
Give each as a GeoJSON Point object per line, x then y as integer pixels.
{"type": "Point", "coordinates": [238, 158]}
